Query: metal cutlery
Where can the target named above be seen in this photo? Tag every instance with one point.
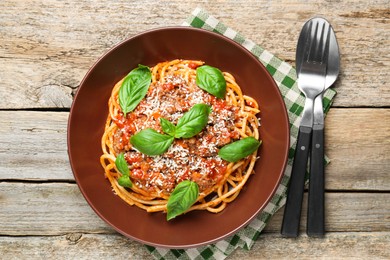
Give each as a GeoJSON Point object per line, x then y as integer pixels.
{"type": "Point", "coordinates": [311, 64]}
{"type": "Point", "coordinates": [316, 210]}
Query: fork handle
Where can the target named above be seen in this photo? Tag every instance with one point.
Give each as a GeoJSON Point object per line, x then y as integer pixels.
{"type": "Point", "coordinates": [316, 209]}
{"type": "Point", "coordinates": [292, 210]}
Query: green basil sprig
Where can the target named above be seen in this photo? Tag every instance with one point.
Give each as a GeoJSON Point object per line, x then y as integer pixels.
{"type": "Point", "coordinates": [121, 165]}
{"type": "Point", "coordinates": [134, 88]}
{"type": "Point", "coordinates": [192, 122]}
{"type": "Point", "coordinates": [182, 198]}
{"type": "Point", "coordinates": [211, 80]}
{"type": "Point", "coordinates": [240, 149]}
{"type": "Point", "coordinates": [151, 142]}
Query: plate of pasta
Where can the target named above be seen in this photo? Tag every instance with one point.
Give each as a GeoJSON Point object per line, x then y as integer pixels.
{"type": "Point", "coordinates": [178, 137]}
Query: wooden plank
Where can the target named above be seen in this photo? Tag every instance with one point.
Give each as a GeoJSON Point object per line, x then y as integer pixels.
{"type": "Point", "coordinates": [49, 47]}
{"type": "Point", "coordinates": [269, 246]}
{"type": "Point", "coordinates": [59, 208]}
{"type": "Point", "coordinates": [33, 146]}
{"type": "Point", "coordinates": [46, 209]}
{"type": "Point", "coordinates": [347, 245]}
{"type": "Point", "coordinates": [358, 143]}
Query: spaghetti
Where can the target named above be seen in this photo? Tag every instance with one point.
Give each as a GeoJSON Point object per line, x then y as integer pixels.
{"type": "Point", "coordinates": [172, 92]}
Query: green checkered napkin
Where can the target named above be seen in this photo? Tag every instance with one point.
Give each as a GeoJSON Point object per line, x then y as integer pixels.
{"type": "Point", "coordinates": [285, 77]}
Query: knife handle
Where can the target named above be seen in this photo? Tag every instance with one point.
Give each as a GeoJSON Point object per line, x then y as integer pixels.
{"type": "Point", "coordinates": [316, 209]}
{"type": "Point", "coordinates": [292, 210]}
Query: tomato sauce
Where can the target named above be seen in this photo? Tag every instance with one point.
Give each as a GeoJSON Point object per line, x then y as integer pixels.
{"type": "Point", "coordinates": [194, 158]}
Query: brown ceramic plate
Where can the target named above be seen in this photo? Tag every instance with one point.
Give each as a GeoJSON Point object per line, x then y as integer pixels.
{"type": "Point", "coordinates": [89, 112]}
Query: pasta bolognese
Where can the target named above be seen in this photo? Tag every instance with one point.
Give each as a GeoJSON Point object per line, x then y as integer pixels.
{"type": "Point", "coordinates": [179, 136]}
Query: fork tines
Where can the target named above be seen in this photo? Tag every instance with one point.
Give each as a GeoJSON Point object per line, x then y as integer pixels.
{"type": "Point", "coordinates": [318, 52]}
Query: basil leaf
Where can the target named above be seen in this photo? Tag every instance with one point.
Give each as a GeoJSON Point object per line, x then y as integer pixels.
{"type": "Point", "coordinates": [240, 149]}
{"type": "Point", "coordinates": [125, 181]}
{"type": "Point", "coordinates": [211, 80]}
{"type": "Point", "coordinates": [192, 122]}
{"type": "Point", "coordinates": [134, 88]}
{"type": "Point", "coordinates": [151, 142]}
{"type": "Point", "coordinates": [167, 126]}
{"type": "Point", "coordinates": [121, 164]}
{"type": "Point", "coordinates": [182, 198]}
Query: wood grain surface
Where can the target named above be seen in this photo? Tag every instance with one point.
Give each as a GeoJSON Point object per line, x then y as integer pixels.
{"type": "Point", "coordinates": [46, 48]}
{"type": "Point", "coordinates": [37, 158]}
{"type": "Point", "coordinates": [64, 38]}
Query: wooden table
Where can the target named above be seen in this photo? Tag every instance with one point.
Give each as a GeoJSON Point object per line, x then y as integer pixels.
{"type": "Point", "coordinates": [46, 47]}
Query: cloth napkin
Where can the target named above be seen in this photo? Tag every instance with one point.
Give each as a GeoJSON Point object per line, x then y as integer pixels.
{"type": "Point", "coordinates": [285, 77]}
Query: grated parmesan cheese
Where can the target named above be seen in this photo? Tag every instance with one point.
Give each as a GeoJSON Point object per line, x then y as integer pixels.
{"type": "Point", "coordinates": [195, 158]}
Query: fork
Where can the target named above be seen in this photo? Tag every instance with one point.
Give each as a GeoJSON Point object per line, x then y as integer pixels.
{"type": "Point", "coordinates": [311, 63]}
